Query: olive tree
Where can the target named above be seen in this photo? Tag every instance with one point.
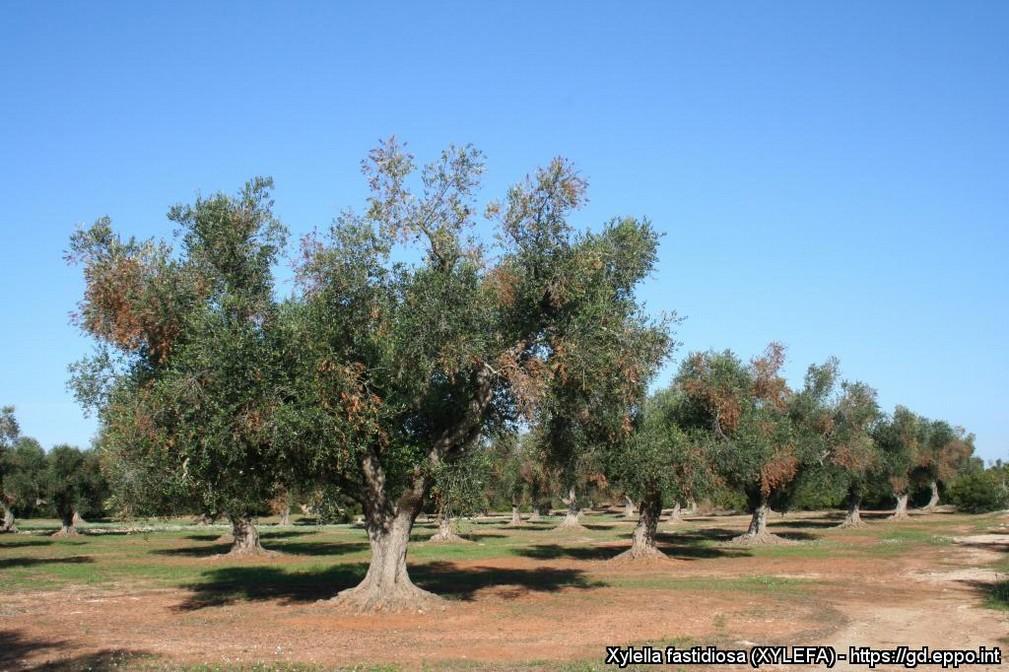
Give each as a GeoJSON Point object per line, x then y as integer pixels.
{"type": "Point", "coordinates": [408, 366]}
{"type": "Point", "coordinates": [190, 366]}
{"type": "Point", "coordinates": [763, 432]}
{"type": "Point", "coordinates": [24, 479]}
{"type": "Point", "coordinates": [943, 454]}
{"type": "Point", "coordinates": [899, 437]}
{"type": "Point", "coordinates": [659, 463]}
{"type": "Point", "coordinates": [65, 485]}
{"type": "Point", "coordinates": [9, 431]}
{"type": "Point", "coordinates": [853, 450]}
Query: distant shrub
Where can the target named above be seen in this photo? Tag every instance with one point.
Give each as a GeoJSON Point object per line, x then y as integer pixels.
{"type": "Point", "coordinates": [982, 491]}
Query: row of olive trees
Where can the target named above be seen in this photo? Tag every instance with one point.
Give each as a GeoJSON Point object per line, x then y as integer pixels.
{"type": "Point", "coordinates": [408, 345]}
{"type": "Point", "coordinates": [65, 481]}
{"type": "Point", "coordinates": [729, 426]}
{"type": "Point", "coordinates": [412, 347]}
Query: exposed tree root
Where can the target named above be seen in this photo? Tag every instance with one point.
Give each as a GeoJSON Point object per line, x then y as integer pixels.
{"type": "Point", "coordinates": [899, 515]}
{"type": "Point", "coordinates": [640, 555]}
{"type": "Point", "coordinates": [246, 552]}
{"type": "Point", "coordinates": [370, 597]}
{"type": "Point", "coordinates": [851, 522]}
{"type": "Point", "coordinates": [66, 532]}
{"type": "Point", "coordinates": [571, 523]}
{"type": "Point", "coordinates": [447, 537]}
{"type": "Point", "coordinates": [759, 539]}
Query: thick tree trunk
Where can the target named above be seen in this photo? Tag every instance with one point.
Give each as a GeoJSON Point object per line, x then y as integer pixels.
{"type": "Point", "coordinates": [571, 521]}
{"type": "Point", "coordinates": [676, 515]}
{"type": "Point", "coordinates": [67, 527]}
{"type": "Point", "coordinates": [643, 540]}
{"type": "Point", "coordinates": [446, 533]}
{"type": "Point", "coordinates": [691, 507]}
{"type": "Point", "coordinates": [516, 515]}
{"type": "Point", "coordinates": [900, 513]}
{"type": "Point", "coordinates": [387, 585]}
{"type": "Point", "coordinates": [934, 499]}
{"type": "Point", "coordinates": [628, 507]}
{"type": "Point", "coordinates": [245, 538]}
{"type": "Point", "coordinates": [757, 532]}
{"type": "Point", "coordinates": [854, 515]}
{"type": "Point", "coordinates": [7, 524]}
{"type": "Point", "coordinates": [78, 520]}
{"type": "Point", "coordinates": [285, 515]}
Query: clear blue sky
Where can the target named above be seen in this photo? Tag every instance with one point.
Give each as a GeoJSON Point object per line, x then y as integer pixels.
{"type": "Point", "coordinates": [834, 176]}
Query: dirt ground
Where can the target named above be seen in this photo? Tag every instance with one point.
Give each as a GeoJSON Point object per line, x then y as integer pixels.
{"type": "Point", "coordinates": [880, 586]}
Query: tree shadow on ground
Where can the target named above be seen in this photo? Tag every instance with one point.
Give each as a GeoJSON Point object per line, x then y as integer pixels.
{"type": "Point", "coordinates": [995, 594]}
{"type": "Point", "coordinates": [679, 551]}
{"type": "Point", "coordinates": [254, 583]}
{"type": "Point", "coordinates": [12, 542]}
{"type": "Point", "coordinates": [15, 647]}
{"type": "Point", "coordinates": [804, 524]}
{"type": "Point", "coordinates": [10, 563]}
{"type": "Point", "coordinates": [290, 547]}
{"type": "Point", "coordinates": [285, 534]}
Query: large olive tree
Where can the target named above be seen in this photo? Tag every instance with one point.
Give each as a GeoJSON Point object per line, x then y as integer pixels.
{"type": "Point", "coordinates": [409, 364]}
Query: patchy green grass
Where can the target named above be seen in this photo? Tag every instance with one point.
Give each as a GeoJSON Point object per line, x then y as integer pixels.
{"type": "Point", "coordinates": [319, 561]}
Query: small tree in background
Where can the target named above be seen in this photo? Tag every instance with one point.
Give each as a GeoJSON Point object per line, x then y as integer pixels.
{"type": "Point", "coordinates": [763, 433]}
{"type": "Point", "coordinates": [9, 431]}
{"type": "Point", "coordinates": [66, 485]}
{"type": "Point", "coordinates": [24, 482]}
{"type": "Point", "coordinates": [853, 450]}
{"type": "Point", "coordinates": [942, 455]}
{"type": "Point", "coordinates": [659, 463]}
{"type": "Point", "coordinates": [981, 491]}
{"type": "Point", "coordinates": [899, 438]}
{"type": "Point", "coordinates": [459, 489]}
{"type": "Point", "coordinates": [509, 481]}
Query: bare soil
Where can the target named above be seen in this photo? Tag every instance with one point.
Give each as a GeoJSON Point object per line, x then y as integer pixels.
{"type": "Point", "coordinates": [861, 591]}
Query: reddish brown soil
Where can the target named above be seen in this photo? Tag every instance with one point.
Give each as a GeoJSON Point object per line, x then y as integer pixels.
{"type": "Point", "coordinates": [868, 600]}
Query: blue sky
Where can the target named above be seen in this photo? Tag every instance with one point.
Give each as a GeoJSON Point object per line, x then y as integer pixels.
{"type": "Point", "coordinates": [830, 175]}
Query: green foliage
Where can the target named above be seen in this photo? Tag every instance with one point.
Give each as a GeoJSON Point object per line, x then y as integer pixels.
{"type": "Point", "coordinates": [65, 480]}
{"type": "Point", "coordinates": [460, 486]}
{"type": "Point", "coordinates": [980, 492]}
{"type": "Point", "coordinates": [189, 370]}
{"type": "Point", "coordinates": [24, 477]}
{"type": "Point", "coordinates": [763, 433]}
{"type": "Point", "coordinates": [662, 459]}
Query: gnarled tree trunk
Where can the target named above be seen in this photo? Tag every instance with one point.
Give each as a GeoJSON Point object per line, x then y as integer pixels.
{"type": "Point", "coordinates": [245, 537]}
{"type": "Point", "coordinates": [676, 515]}
{"type": "Point", "coordinates": [571, 517]}
{"type": "Point", "coordinates": [285, 515]}
{"type": "Point", "coordinates": [446, 533]}
{"type": "Point", "coordinates": [516, 514]}
{"type": "Point", "coordinates": [628, 507]}
{"type": "Point", "coordinates": [691, 506]}
{"type": "Point", "coordinates": [387, 585]}
{"type": "Point", "coordinates": [854, 515]}
{"type": "Point", "coordinates": [643, 540]}
{"type": "Point", "coordinates": [7, 524]}
{"type": "Point", "coordinates": [900, 513]}
{"type": "Point", "coordinates": [933, 501]}
{"type": "Point", "coordinates": [67, 527]}
{"type": "Point", "coordinates": [757, 532]}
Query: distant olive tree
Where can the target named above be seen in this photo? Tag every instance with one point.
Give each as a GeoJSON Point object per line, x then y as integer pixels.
{"type": "Point", "coordinates": [9, 431]}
